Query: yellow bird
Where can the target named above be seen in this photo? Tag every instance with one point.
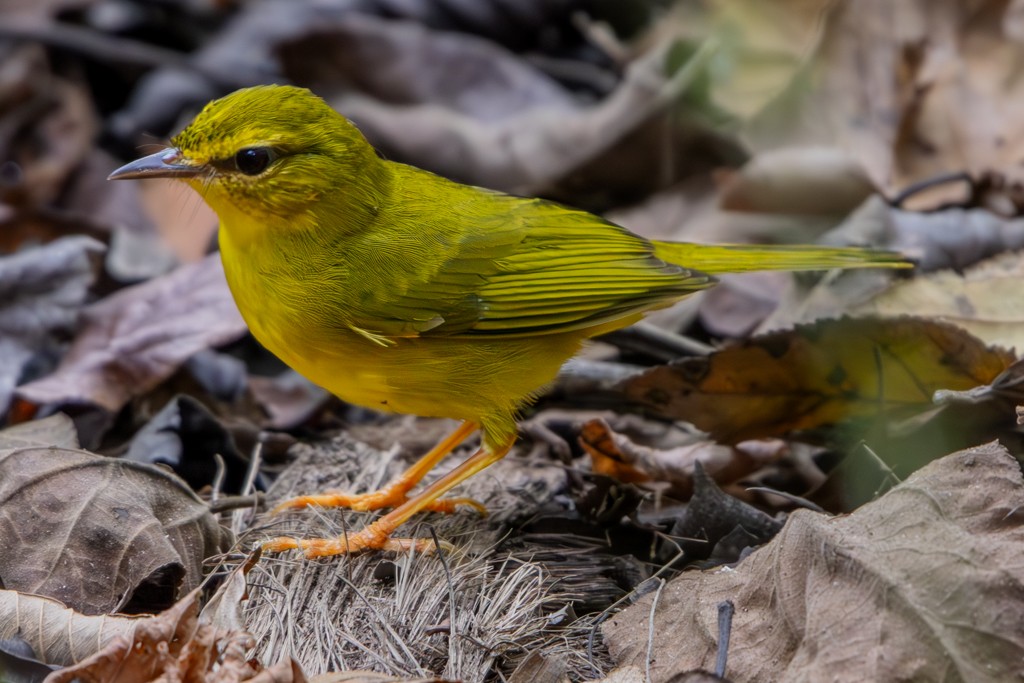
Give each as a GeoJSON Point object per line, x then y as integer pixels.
{"type": "Point", "coordinates": [399, 290]}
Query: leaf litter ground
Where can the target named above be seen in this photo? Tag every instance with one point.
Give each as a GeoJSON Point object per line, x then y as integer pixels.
{"type": "Point", "coordinates": [459, 615]}
{"type": "Point", "coordinates": [635, 135]}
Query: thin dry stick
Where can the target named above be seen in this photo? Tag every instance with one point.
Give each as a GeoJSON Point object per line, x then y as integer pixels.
{"type": "Point", "coordinates": [218, 477]}
{"type": "Point", "coordinates": [248, 488]}
{"type": "Point", "coordinates": [791, 497]}
{"type": "Point", "coordinates": [650, 632]}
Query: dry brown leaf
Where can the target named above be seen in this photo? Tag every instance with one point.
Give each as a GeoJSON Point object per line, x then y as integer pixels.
{"type": "Point", "coordinates": [104, 534]}
{"type": "Point", "coordinates": [136, 338]}
{"type": "Point", "coordinates": [817, 374]}
{"type": "Point", "coordinates": [56, 431]}
{"type": "Point", "coordinates": [540, 668]}
{"type": "Point", "coordinates": [922, 584]}
{"type": "Point", "coordinates": [58, 634]}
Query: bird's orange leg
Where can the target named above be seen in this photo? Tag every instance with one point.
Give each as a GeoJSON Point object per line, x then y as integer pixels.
{"type": "Point", "coordinates": [394, 494]}
{"type": "Point", "coordinates": [378, 534]}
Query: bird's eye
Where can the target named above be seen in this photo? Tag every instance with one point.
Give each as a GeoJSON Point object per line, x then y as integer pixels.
{"type": "Point", "coordinates": [253, 160]}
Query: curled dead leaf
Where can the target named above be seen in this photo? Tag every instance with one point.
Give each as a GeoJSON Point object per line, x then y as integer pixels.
{"type": "Point", "coordinates": [57, 634]}
{"type": "Point", "coordinates": [617, 456]}
{"type": "Point", "coordinates": [176, 645]}
{"type": "Point", "coordinates": [100, 534]}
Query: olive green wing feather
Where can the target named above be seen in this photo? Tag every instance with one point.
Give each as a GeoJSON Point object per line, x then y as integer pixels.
{"type": "Point", "coordinates": [517, 267]}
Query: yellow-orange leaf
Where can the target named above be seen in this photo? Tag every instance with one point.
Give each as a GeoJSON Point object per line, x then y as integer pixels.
{"type": "Point", "coordinates": [818, 374]}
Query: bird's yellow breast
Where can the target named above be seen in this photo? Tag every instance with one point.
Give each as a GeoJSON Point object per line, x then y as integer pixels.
{"type": "Point", "coordinates": [473, 379]}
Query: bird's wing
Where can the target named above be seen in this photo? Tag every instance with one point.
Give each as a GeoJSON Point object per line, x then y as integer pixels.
{"type": "Point", "coordinates": [530, 267]}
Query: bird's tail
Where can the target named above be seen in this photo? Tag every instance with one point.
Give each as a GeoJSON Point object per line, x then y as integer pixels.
{"type": "Point", "coordinates": [715, 259]}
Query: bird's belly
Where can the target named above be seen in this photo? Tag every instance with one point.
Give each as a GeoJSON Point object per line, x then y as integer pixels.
{"type": "Point", "coordinates": [431, 377]}
{"type": "Point", "coordinates": [341, 364]}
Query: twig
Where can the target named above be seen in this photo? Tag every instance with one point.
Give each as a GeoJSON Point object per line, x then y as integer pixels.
{"type": "Point", "coordinates": [928, 183]}
{"type": "Point", "coordinates": [649, 335]}
{"type": "Point", "coordinates": [218, 478]}
{"type": "Point", "coordinates": [792, 498]}
{"type": "Point", "coordinates": [650, 631]}
{"type": "Point", "coordinates": [101, 47]}
{"type": "Point", "coordinates": [226, 503]}
{"type": "Point", "coordinates": [111, 49]}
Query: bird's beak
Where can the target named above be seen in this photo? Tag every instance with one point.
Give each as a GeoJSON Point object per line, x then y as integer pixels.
{"type": "Point", "coordinates": [164, 164]}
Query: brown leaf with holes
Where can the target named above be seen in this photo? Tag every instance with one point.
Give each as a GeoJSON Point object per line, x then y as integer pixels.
{"type": "Point", "coordinates": [96, 533]}
{"type": "Point", "coordinates": [923, 584]}
{"type": "Point", "coordinates": [817, 374]}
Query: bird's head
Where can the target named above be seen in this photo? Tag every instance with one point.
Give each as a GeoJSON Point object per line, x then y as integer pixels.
{"type": "Point", "coordinates": [266, 152]}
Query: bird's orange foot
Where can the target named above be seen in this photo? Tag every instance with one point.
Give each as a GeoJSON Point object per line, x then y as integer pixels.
{"type": "Point", "coordinates": [373, 537]}
{"type": "Point", "coordinates": [389, 497]}
{"type": "Point", "coordinates": [344, 545]}
{"type": "Point", "coordinates": [386, 497]}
